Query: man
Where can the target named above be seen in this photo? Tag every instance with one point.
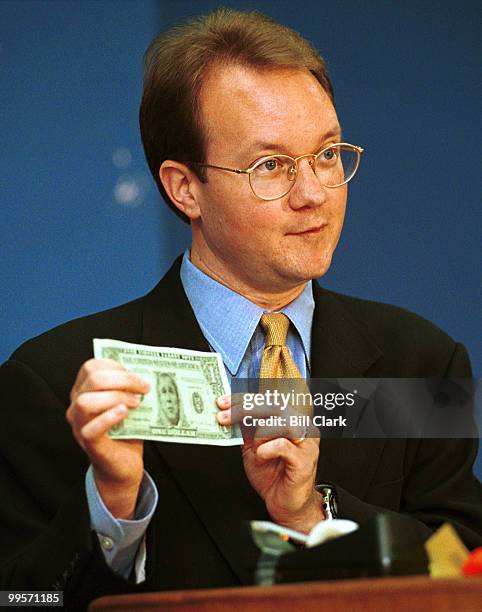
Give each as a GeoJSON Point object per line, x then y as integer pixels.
{"type": "Point", "coordinates": [227, 100]}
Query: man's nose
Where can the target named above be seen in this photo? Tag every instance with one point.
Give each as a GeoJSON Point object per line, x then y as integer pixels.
{"type": "Point", "coordinates": [307, 190]}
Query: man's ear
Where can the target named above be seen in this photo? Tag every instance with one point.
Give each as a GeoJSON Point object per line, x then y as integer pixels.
{"type": "Point", "coordinates": [177, 179]}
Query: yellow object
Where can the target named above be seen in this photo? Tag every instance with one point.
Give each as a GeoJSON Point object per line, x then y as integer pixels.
{"type": "Point", "coordinates": [446, 553]}
{"type": "Point", "coordinates": [276, 361]}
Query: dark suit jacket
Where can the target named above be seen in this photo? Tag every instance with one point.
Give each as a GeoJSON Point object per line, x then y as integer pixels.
{"type": "Point", "coordinates": [195, 538]}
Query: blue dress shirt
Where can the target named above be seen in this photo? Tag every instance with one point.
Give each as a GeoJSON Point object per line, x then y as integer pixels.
{"type": "Point", "coordinates": [240, 338]}
{"type": "Point", "coordinates": [240, 341]}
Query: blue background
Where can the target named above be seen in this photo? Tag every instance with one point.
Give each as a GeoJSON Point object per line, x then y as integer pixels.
{"type": "Point", "coordinates": [83, 227]}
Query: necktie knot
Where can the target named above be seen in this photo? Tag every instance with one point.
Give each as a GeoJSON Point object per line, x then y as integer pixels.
{"type": "Point", "coordinates": [276, 327]}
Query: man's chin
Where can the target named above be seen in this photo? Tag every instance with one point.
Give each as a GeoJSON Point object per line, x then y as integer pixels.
{"type": "Point", "coordinates": [307, 271]}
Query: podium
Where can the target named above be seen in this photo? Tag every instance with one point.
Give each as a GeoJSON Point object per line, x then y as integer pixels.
{"type": "Point", "coordinates": [413, 593]}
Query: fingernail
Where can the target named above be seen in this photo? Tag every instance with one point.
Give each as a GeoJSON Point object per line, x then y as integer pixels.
{"type": "Point", "coordinates": [222, 417]}
{"type": "Point", "coordinates": [223, 400]}
{"type": "Point", "coordinates": [121, 409]}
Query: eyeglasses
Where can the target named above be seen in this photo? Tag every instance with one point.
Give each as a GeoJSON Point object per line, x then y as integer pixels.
{"type": "Point", "coordinates": [271, 177]}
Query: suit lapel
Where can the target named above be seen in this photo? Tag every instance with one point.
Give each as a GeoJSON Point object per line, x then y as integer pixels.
{"type": "Point", "coordinates": [340, 348]}
{"type": "Point", "coordinates": [212, 478]}
{"type": "Point", "coordinates": [167, 316]}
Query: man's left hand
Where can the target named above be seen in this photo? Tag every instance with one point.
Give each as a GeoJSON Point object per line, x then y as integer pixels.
{"type": "Point", "coordinates": [283, 472]}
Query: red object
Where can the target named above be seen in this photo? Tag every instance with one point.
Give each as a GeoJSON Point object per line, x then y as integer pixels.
{"type": "Point", "coordinates": [473, 564]}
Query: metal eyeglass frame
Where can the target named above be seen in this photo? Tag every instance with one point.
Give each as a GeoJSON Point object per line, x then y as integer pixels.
{"type": "Point", "coordinates": [314, 156]}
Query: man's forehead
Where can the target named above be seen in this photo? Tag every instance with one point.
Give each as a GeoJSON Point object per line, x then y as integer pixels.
{"type": "Point", "coordinates": [323, 132]}
{"type": "Point", "coordinates": [266, 107]}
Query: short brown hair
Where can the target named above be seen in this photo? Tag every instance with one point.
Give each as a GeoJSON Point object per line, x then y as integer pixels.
{"type": "Point", "coordinates": [177, 62]}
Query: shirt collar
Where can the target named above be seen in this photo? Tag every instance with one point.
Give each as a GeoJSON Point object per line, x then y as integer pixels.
{"type": "Point", "coordinates": [300, 313]}
{"type": "Point", "coordinates": [213, 303]}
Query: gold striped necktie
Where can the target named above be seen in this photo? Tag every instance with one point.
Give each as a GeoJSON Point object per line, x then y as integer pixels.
{"type": "Point", "coordinates": [276, 361]}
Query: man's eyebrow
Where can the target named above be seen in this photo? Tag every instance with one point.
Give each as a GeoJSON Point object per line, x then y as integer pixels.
{"type": "Point", "coordinates": [261, 145]}
{"type": "Point", "coordinates": [334, 131]}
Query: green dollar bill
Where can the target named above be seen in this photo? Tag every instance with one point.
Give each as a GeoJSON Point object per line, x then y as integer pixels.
{"type": "Point", "coordinates": [181, 404]}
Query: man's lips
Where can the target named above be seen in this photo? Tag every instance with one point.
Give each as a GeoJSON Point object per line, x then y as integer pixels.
{"type": "Point", "coordinates": [315, 229]}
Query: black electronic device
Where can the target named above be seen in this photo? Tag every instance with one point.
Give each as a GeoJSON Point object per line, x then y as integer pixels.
{"type": "Point", "coordinates": [387, 545]}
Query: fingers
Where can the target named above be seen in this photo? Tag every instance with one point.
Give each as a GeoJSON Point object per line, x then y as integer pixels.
{"type": "Point", "coordinates": [224, 417]}
{"type": "Point", "coordinates": [104, 380]}
{"type": "Point", "coordinates": [94, 414]}
{"type": "Point", "coordinates": [236, 407]}
{"type": "Point", "coordinates": [101, 397]}
{"type": "Point", "coordinates": [229, 405]}
{"type": "Point", "coordinates": [93, 365]}
{"type": "Point", "coordinates": [224, 402]}
{"type": "Point", "coordinates": [259, 425]}
{"type": "Point", "coordinates": [90, 434]}
{"type": "Point", "coordinates": [279, 448]}
{"type": "Point", "coordinates": [291, 453]}
{"type": "Point", "coordinates": [296, 433]}
{"type": "Point", "coordinates": [90, 404]}
{"type": "Point", "coordinates": [100, 425]}
{"type": "Point", "coordinates": [233, 400]}
{"type": "Point", "coordinates": [105, 374]}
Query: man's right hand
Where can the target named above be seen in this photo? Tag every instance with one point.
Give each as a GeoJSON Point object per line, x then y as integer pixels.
{"type": "Point", "coordinates": [102, 395]}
